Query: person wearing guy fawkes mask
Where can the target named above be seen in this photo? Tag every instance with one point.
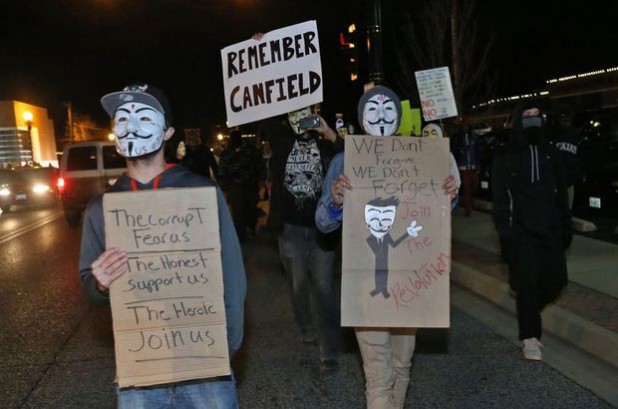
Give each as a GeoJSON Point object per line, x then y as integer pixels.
{"type": "Point", "coordinates": [533, 221]}
{"type": "Point", "coordinates": [142, 124]}
{"type": "Point", "coordinates": [297, 166]}
{"type": "Point", "coordinates": [386, 352]}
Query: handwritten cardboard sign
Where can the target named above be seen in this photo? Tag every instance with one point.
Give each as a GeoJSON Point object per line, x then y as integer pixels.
{"type": "Point", "coordinates": [280, 73]}
{"type": "Point", "coordinates": [168, 310]}
{"type": "Point", "coordinates": [436, 93]}
{"type": "Point", "coordinates": [396, 233]}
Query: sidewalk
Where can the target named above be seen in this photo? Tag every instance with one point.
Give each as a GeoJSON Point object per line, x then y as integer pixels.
{"type": "Point", "coordinates": [586, 314]}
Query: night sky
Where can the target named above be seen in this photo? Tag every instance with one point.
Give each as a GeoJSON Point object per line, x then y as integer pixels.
{"type": "Point", "coordinates": [52, 51]}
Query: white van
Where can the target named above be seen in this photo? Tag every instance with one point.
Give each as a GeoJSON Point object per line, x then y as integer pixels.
{"type": "Point", "coordinates": [87, 169]}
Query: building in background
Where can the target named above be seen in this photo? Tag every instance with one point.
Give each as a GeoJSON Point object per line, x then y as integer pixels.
{"type": "Point", "coordinates": [26, 135]}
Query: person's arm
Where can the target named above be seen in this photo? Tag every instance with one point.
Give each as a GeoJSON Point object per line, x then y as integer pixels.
{"type": "Point", "coordinates": [329, 135]}
{"type": "Point", "coordinates": [329, 211]}
{"type": "Point", "coordinates": [234, 279]}
{"type": "Point", "coordinates": [223, 170]}
{"type": "Point", "coordinates": [501, 196]}
{"type": "Point", "coordinates": [98, 267]}
{"type": "Point", "coordinates": [325, 130]}
{"type": "Point", "coordinates": [212, 164]}
{"type": "Point", "coordinates": [502, 213]}
{"type": "Point", "coordinates": [562, 183]}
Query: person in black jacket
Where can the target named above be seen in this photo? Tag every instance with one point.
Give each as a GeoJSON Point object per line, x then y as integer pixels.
{"type": "Point", "coordinates": [532, 217]}
{"type": "Point", "coordinates": [566, 139]}
{"type": "Point", "coordinates": [240, 170]}
{"type": "Point", "coordinates": [300, 158]}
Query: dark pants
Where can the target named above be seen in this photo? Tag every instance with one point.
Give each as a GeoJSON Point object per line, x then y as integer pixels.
{"type": "Point", "coordinates": [309, 262]}
{"type": "Point", "coordinates": [537, 273]}
{"type": "Point", "coordinates": [243, 199]}
{"type": "Point", "coordinates": [469, 186]}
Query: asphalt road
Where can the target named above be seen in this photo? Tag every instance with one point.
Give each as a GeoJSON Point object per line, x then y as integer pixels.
{"type": "Point", "coordinates": [57, 350]}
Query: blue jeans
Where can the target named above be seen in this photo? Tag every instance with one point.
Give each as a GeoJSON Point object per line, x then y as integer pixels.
{"type": "Point", "coordinates": [309, 265]}
{"type": "Point", "coordinates": [208, 394]}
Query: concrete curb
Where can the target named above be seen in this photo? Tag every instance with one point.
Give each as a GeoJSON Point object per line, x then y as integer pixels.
{"type": "Point", "coordinates": [592, 338]}
{"type": "Point", "coordinates": [579, 225]}
{"type": "Point", "coordinates": [583, 226]}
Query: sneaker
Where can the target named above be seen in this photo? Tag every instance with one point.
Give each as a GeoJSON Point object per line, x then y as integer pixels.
{"type": "Point", "coordinates": [329, 365]}
{"type": "Point", "coordinates": [532, 349]}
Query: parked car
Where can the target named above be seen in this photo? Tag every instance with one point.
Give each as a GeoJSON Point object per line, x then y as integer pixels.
{"type": "Point", "coordinates": [86, 170]}
{"type": "Point", "coordinates": [488, 145]}
{"type": "Point", "coordinates": [598, 160]}
{"type": "Point", "coordinates": [28, 186]}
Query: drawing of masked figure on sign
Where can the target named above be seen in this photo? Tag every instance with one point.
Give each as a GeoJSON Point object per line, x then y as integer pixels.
{"type": "Point", "coordinates": [379, 218]}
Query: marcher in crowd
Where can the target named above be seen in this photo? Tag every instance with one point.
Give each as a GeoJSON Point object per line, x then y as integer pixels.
{"type": "Point", "coordinates": [432, 130]}
{"type": "Point", "coordinates": [386, 352]}
{"type": "Point", "coordinates": [532, 217]}
{"type": "Point", "coordinates": [241, 169]}
{"type": "Point", "coordinates": [466, 149]}
{"type": "Point", "coordinates": [199, 159]}
{"type": "Point", "coordinates": [142, 124]}
{"type": "Point", "coordinates": [566, 138]}
{"type": "Point", "coordinates": [299, 159]}
{"type": "Point", "coordinates": [298, 163]}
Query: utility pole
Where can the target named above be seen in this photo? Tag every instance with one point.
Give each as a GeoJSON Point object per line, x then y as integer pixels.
{"type": "Point", "coordinates": [455, 53]}
{"type": "Point", "coordinates": [70, 120]}
{"type": "Point", "coordinates": [374, 42]}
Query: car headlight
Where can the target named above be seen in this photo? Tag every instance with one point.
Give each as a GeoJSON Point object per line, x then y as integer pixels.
{"type": "Point", "coordinates": [40, 188]}
{"type": "Point", "coordinates": [4, 191]}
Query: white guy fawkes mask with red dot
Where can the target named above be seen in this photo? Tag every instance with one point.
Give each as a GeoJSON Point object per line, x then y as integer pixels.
{"type": "Point", "coordinates": [139, 129]}
{"type": "Point", "coordinates": [380, 115]}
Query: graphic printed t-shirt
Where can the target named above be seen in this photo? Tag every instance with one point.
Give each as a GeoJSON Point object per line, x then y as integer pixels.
{"type": "Point", "coordinates": [302, 182]}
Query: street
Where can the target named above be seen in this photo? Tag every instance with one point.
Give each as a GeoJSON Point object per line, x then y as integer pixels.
{"type": "Point", "coordinates": [57, 349]}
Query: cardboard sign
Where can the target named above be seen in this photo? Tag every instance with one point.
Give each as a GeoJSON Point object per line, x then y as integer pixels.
{"type": "Point", "coordinates": [436, 93]}
{"type": "Point", "coordinates": [278, 74]}
{"type": "Point", "coordinates": [168, 310]}
{"type": "Point", "coordinates": [396, 233]}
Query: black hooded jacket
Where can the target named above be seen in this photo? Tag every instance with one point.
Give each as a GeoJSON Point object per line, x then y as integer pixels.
{"type": "Point", "coordinates": [529, 186]}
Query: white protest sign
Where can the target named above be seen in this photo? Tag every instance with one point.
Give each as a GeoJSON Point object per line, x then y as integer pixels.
{"type": "Point", "coordinates": [396, 233]}
{"type": "Point", "coordinates": [168, 309]}
{"type": "Point", "coordinates": [436, 93]}
{"type": "Point", "coordinates": [280, 73]}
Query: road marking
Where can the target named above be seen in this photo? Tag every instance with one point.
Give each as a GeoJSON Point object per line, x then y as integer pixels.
{"type": "Point", "coordinates": [31, 226]}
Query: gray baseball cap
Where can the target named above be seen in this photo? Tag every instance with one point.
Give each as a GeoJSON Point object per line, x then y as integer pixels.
{"type": "Point", "coordinates": [142, 93]}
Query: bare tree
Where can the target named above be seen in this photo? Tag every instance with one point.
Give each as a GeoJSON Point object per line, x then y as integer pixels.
{"type": "Point", "coordinates": [446, 34]}
{"type": "Point", "coordinates": [85, 129]}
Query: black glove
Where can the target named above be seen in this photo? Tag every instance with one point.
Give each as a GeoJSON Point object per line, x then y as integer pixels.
{"type": "Point", "coordinates": [567, 238]}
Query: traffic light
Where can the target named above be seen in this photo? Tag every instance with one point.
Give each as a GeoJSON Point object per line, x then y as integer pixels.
{"type": "Point", "coordinates": [348, 46]}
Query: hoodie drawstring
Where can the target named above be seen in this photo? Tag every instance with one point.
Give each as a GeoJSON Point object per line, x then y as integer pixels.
{"type": "Point", "coordinates": [534, 164]}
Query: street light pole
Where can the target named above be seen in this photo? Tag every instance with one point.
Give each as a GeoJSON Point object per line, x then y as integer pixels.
{"type": "Point", "coordinates": [28, 118]}
{"type": "Point", "coordinates": [374, 42]}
